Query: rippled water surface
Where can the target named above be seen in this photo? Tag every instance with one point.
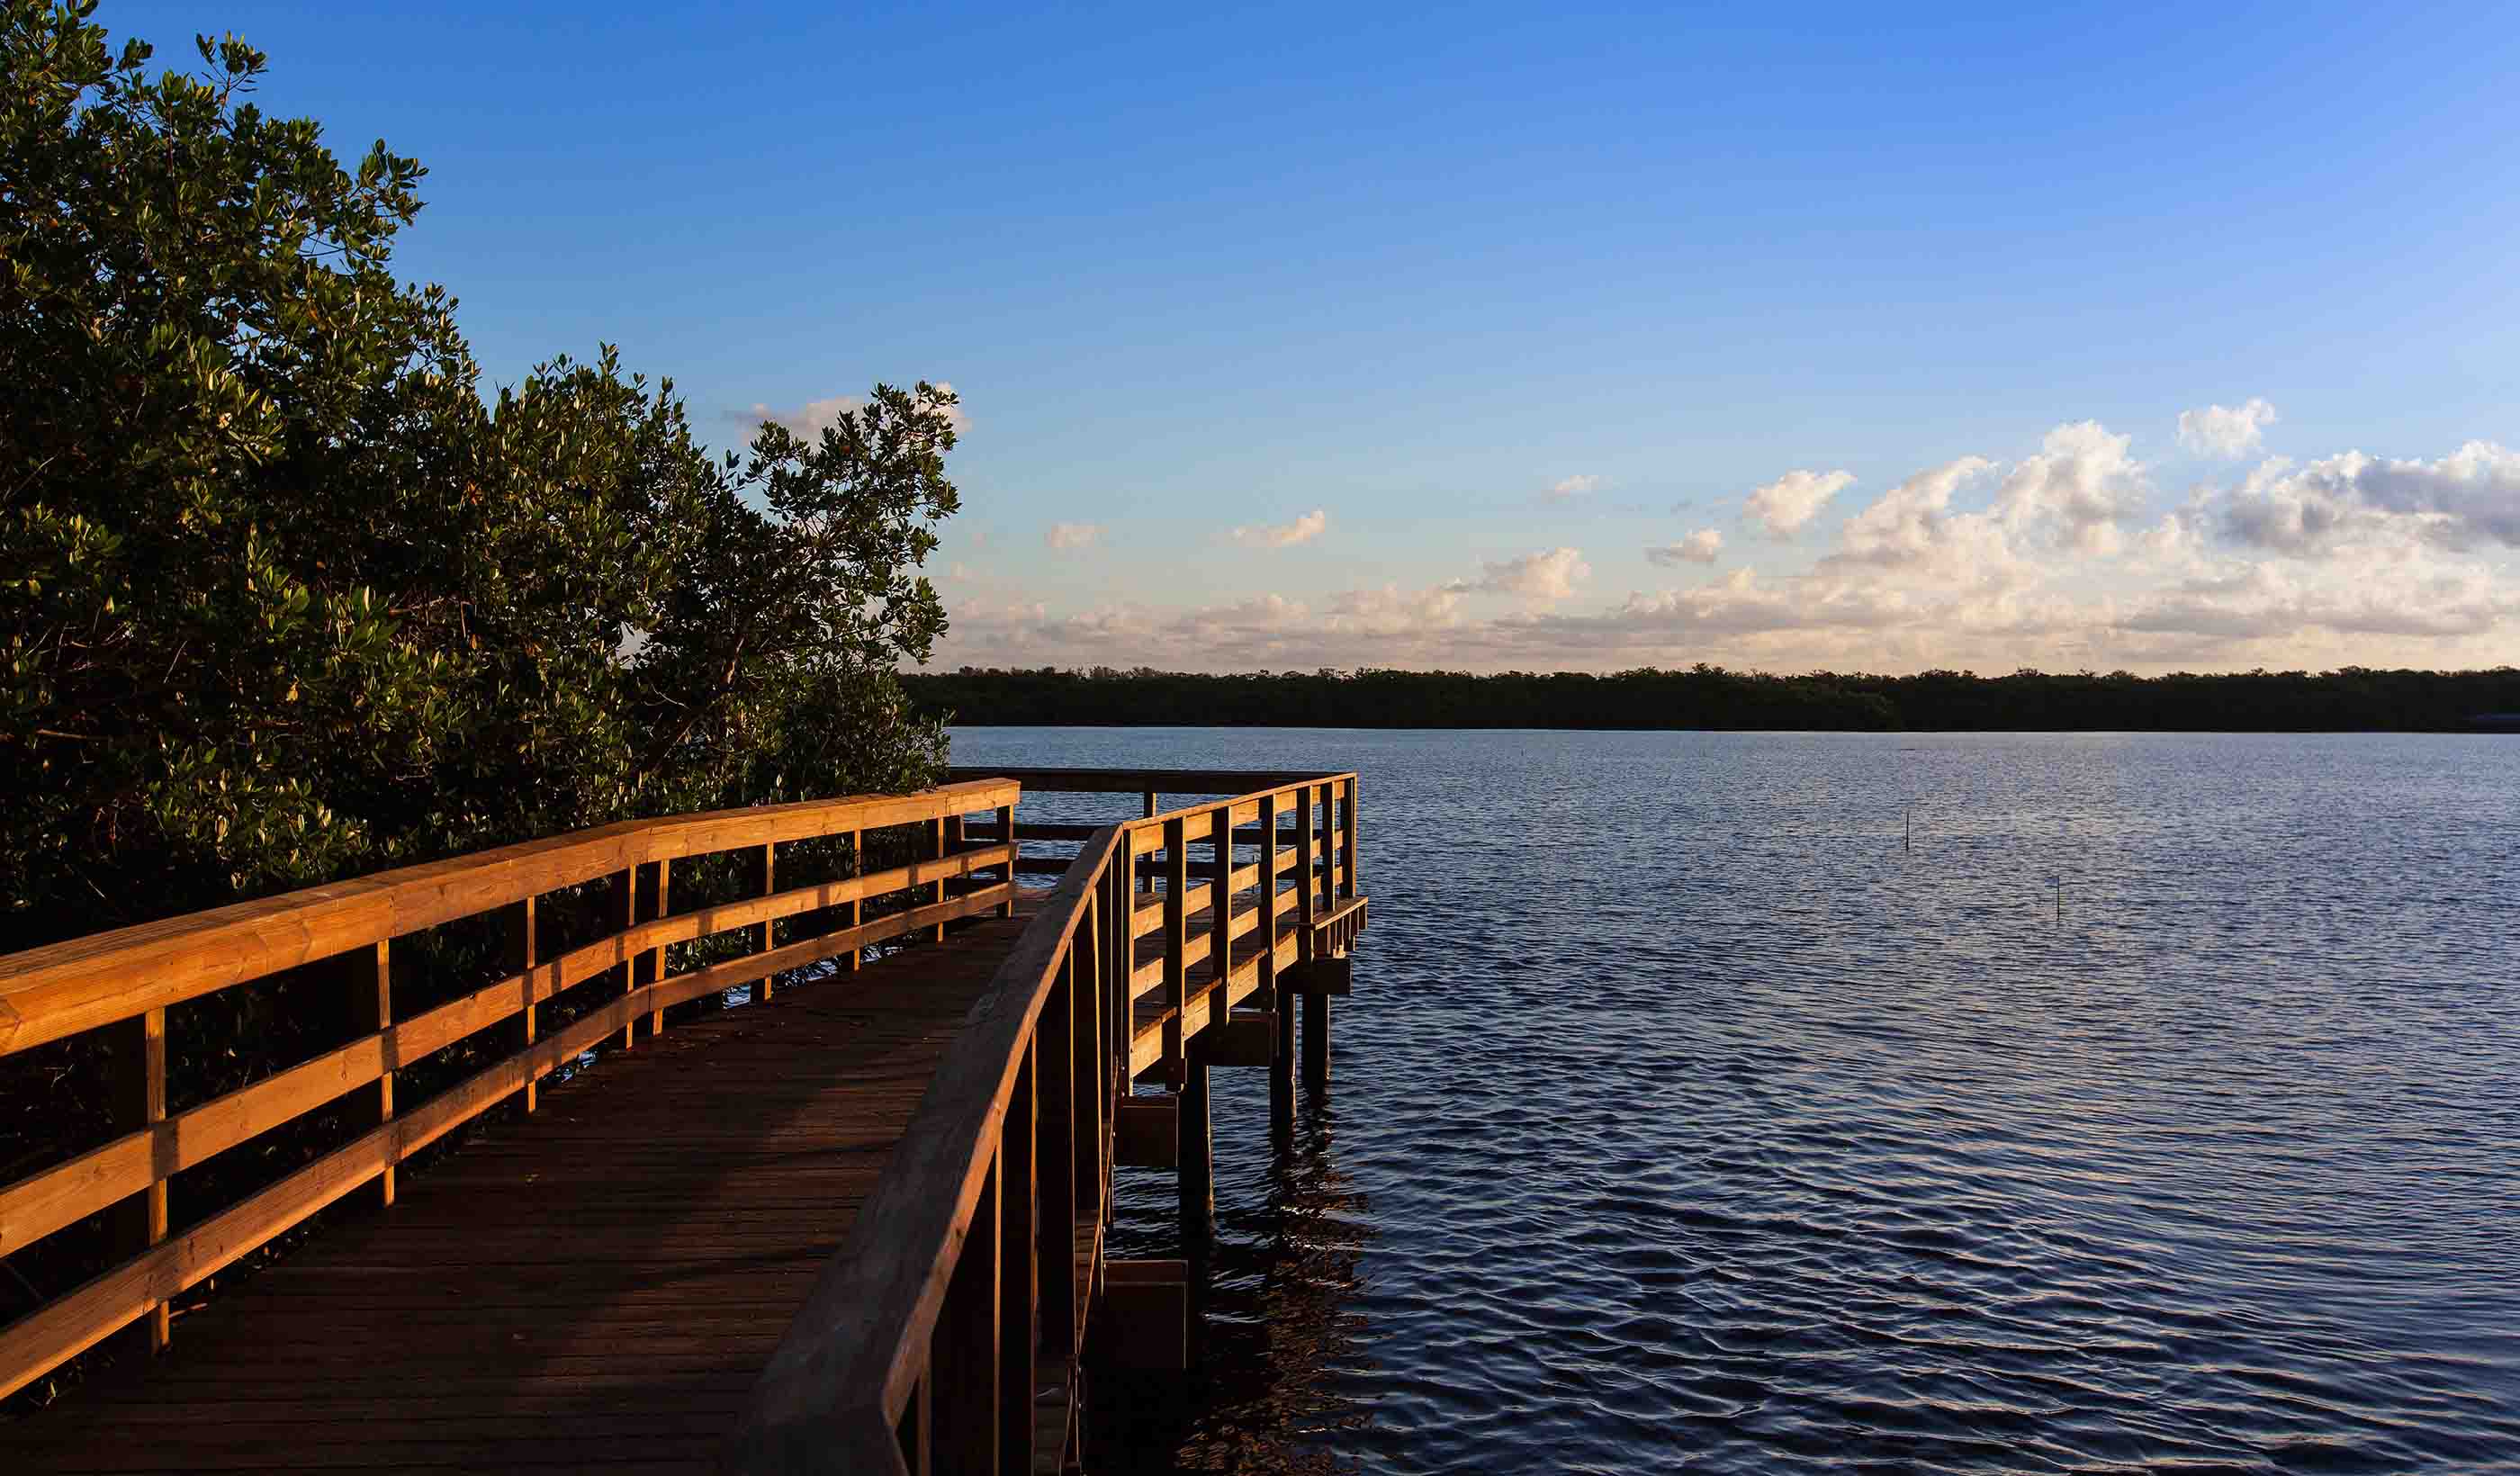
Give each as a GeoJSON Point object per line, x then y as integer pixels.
{"type": "Point", "coordinates": [1688, 1117]}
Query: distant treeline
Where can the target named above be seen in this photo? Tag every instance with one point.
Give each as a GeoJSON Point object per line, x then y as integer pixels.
{"type": "Point", "coordinates": [2353, 700]}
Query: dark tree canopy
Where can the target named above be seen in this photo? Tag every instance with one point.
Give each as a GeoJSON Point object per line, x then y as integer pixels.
{"type": "Point", "coordinates": [283, 599]}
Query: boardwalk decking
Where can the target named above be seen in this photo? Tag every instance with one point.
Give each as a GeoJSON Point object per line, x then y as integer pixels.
{"type": "Point", "coordinates": [858, 1227]}
{"type": "Point", "coordinates": [593, 1286]}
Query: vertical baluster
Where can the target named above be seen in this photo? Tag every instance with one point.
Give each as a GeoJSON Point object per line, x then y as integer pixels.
{"type": "Point", "coordinates": [936, 892]}
{"type": "Point", "coordinates": [1007, 833]}
{"type": "Point", "coordinates": [857, 904]}
{"type": "Point", "coordinates": [137, 1099]}
{"type": "Point", "coordinates": [1304, 874]}
{"type": "Point", "coordinates": [1347, 843]}
{"type": "Point", "coordinates": [1020, 1283]}
{"type": "Point", "coordinates": [765, 882]}
{"type": "Point", "coordinates": [1175, 925]}
{"type": "Point", "coordinates": [1220, 907]}
{"type": "Point", "coordinates": [649, 966]}
{"type": "Point", "coordinates": [1061, 1125]}
{"type": "Point", "coordinates": [1118, 1009]}
{"type": "Point", "coordinates": [1281, 1057]}
{"type": "Point", "coordinates": [965, 1350]}
{"type": "Point", "coordinates": [1087, 1079]}
{"type": "Point", "coordinates": [1327, 881]}
{"type": "Point", "coordinates": [622, 907]}
{"type": "Point", "coordinates": [522, 921]}
{"type": "Point", "coordinates": [371, 977]}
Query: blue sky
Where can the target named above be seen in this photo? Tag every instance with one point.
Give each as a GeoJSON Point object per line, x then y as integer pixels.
{"type": "Point", "coordinates": [1514, 296]}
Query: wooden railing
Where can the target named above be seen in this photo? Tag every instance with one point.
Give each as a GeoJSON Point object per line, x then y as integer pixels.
{"type": "Point", "coordinates": [946, 1334]}
{"type": "Point", "coordinates": [124, 983]}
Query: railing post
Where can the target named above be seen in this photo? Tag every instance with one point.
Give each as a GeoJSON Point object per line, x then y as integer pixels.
{"type": "Point", "coordinates": [1198, 1147]}
{"type": "Point", "coordinates": [1007, 833]}
{"type": "Point", "coordinates": [964, 1356]}
{"type": "Point", "coordinates": [649, 964]}
{"type": "Point", "coordinates": [1176, 925]}
{"type": "Point", "coordinates": [1282, 1055]}
{"type": "Point", "coordinates": [1328, 882]}
{"type": "Point", "coordinates": [1304, 894]}
{"type": "Point", "coordinates": [371, 971]}
{"type": "Point", "coordinates": [1087, 1081]}
{"type": "Point", "coordinates": [1061, 1123]}
{"type": "Point", "coordinates": [765, 882]}
{"type": "Point", "coordinates": [523, 917]}
{"type": "Point", "coordinates": [936, 893]}
{"type": "Point", "coordinates": [1019, 1285]}
{"type": "Point", "coordinates": [138, 1101]}
{"type": "Point", "coordinates": [857, 904]}
{"type": "Point", "coordinates": [622, 906]}
{"type": "Point", "coordinates": [1347, 843]}
{"type": "Point", "coordinates": [1220, 906]}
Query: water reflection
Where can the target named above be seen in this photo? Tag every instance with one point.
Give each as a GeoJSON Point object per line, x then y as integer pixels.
{"type": "Point", "coordinates": [1281, 1279]}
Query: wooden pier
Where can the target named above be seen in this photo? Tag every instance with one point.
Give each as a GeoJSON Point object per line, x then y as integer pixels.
{"type": "Point", "coordinates": [849, 1218]}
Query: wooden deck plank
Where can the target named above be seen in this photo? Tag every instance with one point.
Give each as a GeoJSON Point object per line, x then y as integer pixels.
{"type": "Point", "coordinates": [593, 1286]}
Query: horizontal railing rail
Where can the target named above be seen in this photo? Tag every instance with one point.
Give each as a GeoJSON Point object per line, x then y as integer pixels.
{"type": "Point", "coordinates": [945, 1334]}
{"type": "Point", "coordinates": [124, 983]}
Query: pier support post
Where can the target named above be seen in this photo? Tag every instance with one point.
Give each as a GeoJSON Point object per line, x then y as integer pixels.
{"type": "Point", "coordinates": [1317, 1040]}
{"type": "Point", "coordinates": [1282, 1074]}
{"type": "Point", "coordinates": [1196, 1153]}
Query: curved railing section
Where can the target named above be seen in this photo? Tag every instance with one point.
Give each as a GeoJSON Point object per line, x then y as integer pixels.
{"type": "Point", "coordinates": [946, 1334]}
{"type": "Point", "coordinates": [122, 983]}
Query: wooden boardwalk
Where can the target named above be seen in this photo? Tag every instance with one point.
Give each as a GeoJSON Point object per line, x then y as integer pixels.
{"type": "Point", "coordinates": [858, 1226]}
{"type": "Point", "coordinates": [595, 1285]}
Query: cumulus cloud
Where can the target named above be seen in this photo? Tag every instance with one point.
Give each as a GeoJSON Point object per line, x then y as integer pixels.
{"type": "Point", "coordinates": [1389, 611]}
{"type": "Point", "coordinates": [1700, 547]}
{"type": "Point", "coordinates": [2266, 600]}
{"type": "Point", "coordinates": [2350, 559]}
{"type": "Point", "coordinates": [1545, 577]}
{"type": "Point", "coordinates": [1066, 536]}
{"type": "Point", "coordinates": [1907, 523]}
{"type": "Point", "coordinates": [2081, 485]}
{"type": "Point", "coordinates": [1784, 505]}
{"type": "Point", "coordinates": [811, 419]}
{"type": "Point", "coordinates": [1282, 535]}
{"type": "Point", "coordinates": [1567, 488]}
{"type": "Point", "coordinates": [2229, 432]}
{"type": "Point", "coordinates": [2467, 500]}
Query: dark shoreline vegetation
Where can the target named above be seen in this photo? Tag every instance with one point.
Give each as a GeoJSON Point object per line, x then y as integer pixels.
{"type": "Point", "coordinates": [2352, 699]}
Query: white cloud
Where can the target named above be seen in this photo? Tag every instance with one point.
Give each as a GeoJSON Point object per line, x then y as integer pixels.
{"type": "Point", "coordinates": [1388, 611]}
{"type": "Point", "coordinates": [1066, 536]}
{"type": "Point", "coordinates": [2467, 500]}
{"type": "Point", "coordinates": [2082, 483]}
{"type": "Point", "coordinates": [1570, 487]}
{"type": "Point", "coordinates": [2348, 560]}
{"type": "Point", "coordinates": [1284, 535]}
{"type": "Point", "coordinates": [1907, 523]}
{"type": "Point", "coordinates": [811, 419]}
{"type": "Point", "coordinates": [1794, 499]}
{"type": "Point", "coordinates": [1545, 577]}
{"type": "Point", "coordinates": [1700, 547]}
{"type": "Point", "coordinates": [2216, 431]}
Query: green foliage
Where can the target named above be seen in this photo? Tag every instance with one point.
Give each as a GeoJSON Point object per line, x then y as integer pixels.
{"type": "Point", "coordinates": [282, 598]}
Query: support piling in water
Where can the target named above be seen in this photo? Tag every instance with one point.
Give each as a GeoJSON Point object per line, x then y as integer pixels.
{"type": "Point", "coordinates": [1317, 1042]}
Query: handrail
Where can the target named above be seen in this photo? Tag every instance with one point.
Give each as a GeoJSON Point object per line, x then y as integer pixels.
{"type": "Point", "coordinates": [122, 982]}
{"type": "Point", "coordinates": [957, 1295]}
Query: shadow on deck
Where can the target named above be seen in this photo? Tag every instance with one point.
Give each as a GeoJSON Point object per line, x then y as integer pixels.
{"type": "Point", "coordinates": [595, 1285]}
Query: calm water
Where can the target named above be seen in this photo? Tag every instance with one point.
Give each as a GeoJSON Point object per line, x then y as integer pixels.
{"type": "Point", "coordinates": [1683, 1119]}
